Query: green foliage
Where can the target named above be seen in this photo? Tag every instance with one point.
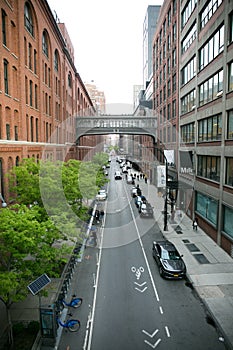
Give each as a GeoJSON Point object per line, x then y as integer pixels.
{"type": "Point", "coordinates": [100, 159]}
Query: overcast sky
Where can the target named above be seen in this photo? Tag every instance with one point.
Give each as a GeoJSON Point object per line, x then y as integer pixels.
{"type": "Point", "coordinates": [107, 40]}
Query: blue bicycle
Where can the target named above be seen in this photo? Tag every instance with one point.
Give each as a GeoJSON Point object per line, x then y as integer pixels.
{"type": "Point", "coordinates": [71, 325]}
{"type": "Point", "coordinates": [75, 302]}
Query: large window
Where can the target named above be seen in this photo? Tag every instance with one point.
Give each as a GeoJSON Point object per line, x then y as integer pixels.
{"type": "Point", "coordinates": [187, 133]}
{"type": "Point", "coordinates": [208, 11]}
{"type": "Point", "coordinates": [187, 11]}
{"type": "Point", "coordinates": [230, 124]}
{"type": "Point", "coordinates": [188, 102]}
{"type": "Point", "coordinates": [229, 171]}
{"type": "Point", "coordinates": [228, 221]}
{"type": "Point", "coordinates": [230, 76]}
{"type": "Point", "coordinates": [189, 71]}
{"type": "Point", "coordinates": [28, 22]}
{"type": "Point", "coordinates": [212, 48]}
{"type": "Point", "coordinates": [56, 60]}
{"type": "Point", "coordinates": [210, 129]}
{"type": "Point", "coordinates": [231, 27]}
{"type": "Point", "coordinates": [189, 38]}
{"type": "Point", "coordinates": [209, 167]}
{"type": "Point", "coordinates": [207, 207]}
{"type": "Point", "coordinates": [211, 88]}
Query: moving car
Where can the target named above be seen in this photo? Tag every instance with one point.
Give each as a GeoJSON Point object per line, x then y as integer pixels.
{"type": "Point", "coordinates": [146, 210]}
{"type": "Point", "coordinates": [118, 175]}
{"type": "Point", "coordinates": [101, 195]}
{"type": "Point", "coordinates": [169, 261]}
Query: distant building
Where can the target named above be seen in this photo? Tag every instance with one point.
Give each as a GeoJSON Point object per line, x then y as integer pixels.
{"type": "Point", "coordinates": [97, 97]}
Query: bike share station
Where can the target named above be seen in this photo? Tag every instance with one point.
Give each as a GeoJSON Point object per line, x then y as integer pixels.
{"type": "Point", "coordinates": [51, 316]}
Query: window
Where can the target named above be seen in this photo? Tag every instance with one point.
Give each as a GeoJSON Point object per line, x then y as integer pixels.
{"type": "Point", "coordinates": [187, 11]}
{"type": "Point", "coordinates": [174, 83]}
{"type": "Point", "coordinates": [31, 129]}
{"type": "Point", "coordinates": [169, 111]}
{"type": "Point", "coordinates": [16, 133]}
{"type": "Point", "coordinates": [228, 221]}
{"type": "Point", "coordinates": [207, 207]}
{"type": "Point", "coordinates": [189, 38]}
{"type": "Point", "coordinates": [187, 133]}
{"type": "Point", "coordinates": [230, 76]}
{"type": "Point", "coordinates": [4, 40]}
{"type": "Point", "coordinates": [210, 89]}
{"type": "Point", "coordinates": [212, 48]}
{"type": "Point", "coordinates": [37, 130]}
{"type": "Point", "coordinates": [8, 132]}
{"type": "Point", "coordinates": [35, 62]}
{"type": "Point", "coordinates": [30, 56]}
{"type": "Point", "coordinates": [26, 89]}
{"type": "Point", "coordinates": [209, 167]}
{"type": "Point", "coordinates": [230, 124]}
{"type": "Point", "coordinates": [173, 108]}
{"type": "Point", "coordinates": [69, 80]}
{"type": "Point", "coordinates": [168, 42]}
{"type": "Point", "coordinates": [164, 93]}
{"type": "Point", "coordinates": [189, 71]}
{"type": "Point", "coordinates": [231, 27]}
{"type": "Point", "coordinates": [36, 96]}
{"type": "Point", "coordinates": [168, 88]}
{"type": "Point", "coordinates": [31, 93]}
{"type": "Point", "coordinates": [188, 102]}
{"type": "Point", "coordinates": [174, 7]}
{"type": "Point", "coordinates": [174, 32]}
{"type": "Point", "coordinates": [208, 11]}
{"type": "Point", "coordinates": [174, 58]}
{"type": "Point", "coordinates": [56, 60]}
{"type": "Point", "coordinates": [169, 17]}
{"type": "Point", "coordinates": [229, 171]}
{"type": "Point", "coordinates": [210, 129]}
{"type": "Point", "coordinates": [28, 22]}
{"type": "Point", "coordinates": [6, 82]}
{"type": "Point", "coordinates": [45, 47]}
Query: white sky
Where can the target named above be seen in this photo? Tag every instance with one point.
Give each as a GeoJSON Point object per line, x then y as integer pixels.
{"type": "Point", "coordinates": [107, 40]}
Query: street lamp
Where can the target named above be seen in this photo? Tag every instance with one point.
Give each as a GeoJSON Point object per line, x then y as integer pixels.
{"type": "Point", "coordinates": [4, 204]}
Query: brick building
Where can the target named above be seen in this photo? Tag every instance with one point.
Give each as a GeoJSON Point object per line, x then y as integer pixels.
{"type": "Point", "coordinates": [40, 89]}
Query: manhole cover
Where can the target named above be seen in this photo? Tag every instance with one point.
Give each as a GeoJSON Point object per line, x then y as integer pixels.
{"type": "Point", "coordinates": [192, 247]}
{"type": "Point", "coordinates": [201, 258]}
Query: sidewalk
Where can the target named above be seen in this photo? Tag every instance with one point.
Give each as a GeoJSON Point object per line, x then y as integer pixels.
{"type": "Point", "coordinates": [209, 267]}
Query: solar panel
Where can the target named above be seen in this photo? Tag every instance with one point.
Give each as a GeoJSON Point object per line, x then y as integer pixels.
{"type": "Point", "coordinates": [39, 284]}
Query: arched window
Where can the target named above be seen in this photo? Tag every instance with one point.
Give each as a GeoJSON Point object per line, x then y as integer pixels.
{"type": "Point", "coordinates": [28, 21]}
{"type": "Point", "coordinates": [45, 45]}
{"type": "Point", "coordinates": [56, 60]}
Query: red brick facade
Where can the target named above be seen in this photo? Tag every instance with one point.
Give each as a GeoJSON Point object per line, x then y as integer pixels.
{"type": "Point", "coordinates": [40, 89]}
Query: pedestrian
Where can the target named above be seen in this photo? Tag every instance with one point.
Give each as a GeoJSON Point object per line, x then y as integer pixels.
{"type": "Point", "coordinates": [97, 216]}
{"type": "Point", "coordinates": [101, 214]}
{"type": "Point", "coordinates": [145, 177]}
{"type": "Point", "coordinates": [195, 224]}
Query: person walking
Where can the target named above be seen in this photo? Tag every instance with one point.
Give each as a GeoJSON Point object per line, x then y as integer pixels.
{"type": "Point", "coordinates": [195, 224]}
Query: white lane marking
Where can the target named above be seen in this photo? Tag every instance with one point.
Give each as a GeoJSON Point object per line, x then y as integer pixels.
{"type": "Point", "coordinates": [150, 335]}
{"type": "Point", "coordinates": [143, 250]}
{"type": "Point", "coordinates": [138, 271]}
{"type": "Point", "coordinates": [140, 284]}
{"type": "Point", "coordinates": [167, 331]}
{"type": "Point", "coordinates": [161, 310]}
{"type": "Point", "coordinates": [141, 290]}
{"type": "Point", "coordinates": [151, 345]}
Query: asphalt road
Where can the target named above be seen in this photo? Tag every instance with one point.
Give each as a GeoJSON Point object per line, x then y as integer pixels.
{"type": "Point", "coordinates": [127, 305]}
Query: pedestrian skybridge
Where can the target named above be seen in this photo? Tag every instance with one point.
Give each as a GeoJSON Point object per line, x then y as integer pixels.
{"type": "Point", "coordinates": [116, 124]}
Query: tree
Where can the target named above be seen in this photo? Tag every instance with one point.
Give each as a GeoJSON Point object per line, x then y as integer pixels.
{"type": "Point", "coordinates": [27, 250]}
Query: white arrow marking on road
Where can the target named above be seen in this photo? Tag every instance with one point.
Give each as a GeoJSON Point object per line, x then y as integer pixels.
{"type": "Point", "coordinates": [141, 290]}
{"type": "Point", "coordinates": [150, 335]}
{"type": "Point", "coordinates": [155, 344]}
{"type": "Point", "coordinates": [140, 285]}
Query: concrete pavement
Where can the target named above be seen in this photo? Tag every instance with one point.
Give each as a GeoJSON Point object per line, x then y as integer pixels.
{"type": "Point", "coordinates": [209, 267]}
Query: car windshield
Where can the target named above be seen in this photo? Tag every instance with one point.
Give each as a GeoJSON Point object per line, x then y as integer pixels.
{"type": "Point", "coordinates": [170, 255]}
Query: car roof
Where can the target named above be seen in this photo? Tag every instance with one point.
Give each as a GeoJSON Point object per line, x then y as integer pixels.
{"type": "Point", "coordinates": [165, 245]}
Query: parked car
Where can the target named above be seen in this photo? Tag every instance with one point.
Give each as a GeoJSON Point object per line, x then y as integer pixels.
{"type": "Point", "coordinates": [129, 179]}
{"type": "Point", "coordinates": [146, 210]}
{"type": "Point", "coordinates": [118, 175]}
{"type": "Point", "coordinates": [134, 192]}
{"type": "Point", "coordinates": [101, 195]}
{"type": "Point", "coordinates": [168, 259]}
{"type": "Point", "coordinates": [106, 172]}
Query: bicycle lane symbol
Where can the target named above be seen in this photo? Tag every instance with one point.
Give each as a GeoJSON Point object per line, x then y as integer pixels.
{"type": "Point", "coordinates": [138, 273]}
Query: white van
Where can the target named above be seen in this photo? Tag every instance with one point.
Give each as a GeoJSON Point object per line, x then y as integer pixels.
{"type": "Point", "coordinates": [118, 175]}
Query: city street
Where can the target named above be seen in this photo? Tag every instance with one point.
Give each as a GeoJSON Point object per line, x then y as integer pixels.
{"type": "Point", "coordinates": [127, 305]}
